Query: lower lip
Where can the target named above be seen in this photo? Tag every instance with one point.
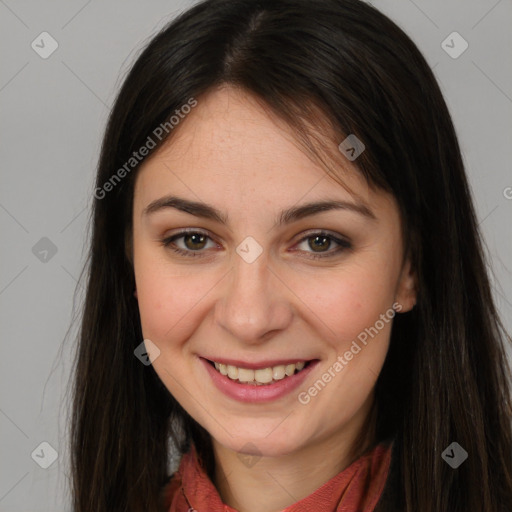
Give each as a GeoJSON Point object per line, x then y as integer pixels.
{"type": "Point", "coordinates": [253, 393]}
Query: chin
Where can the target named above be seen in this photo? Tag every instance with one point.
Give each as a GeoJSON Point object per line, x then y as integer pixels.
{"type": "Point", "coordinates": [261, 443]}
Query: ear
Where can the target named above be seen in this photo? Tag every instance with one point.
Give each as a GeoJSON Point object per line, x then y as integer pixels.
{"type": "Point", "coordinates": [407, 288]}
{"type": "Point", "coordinates": [135, 294]}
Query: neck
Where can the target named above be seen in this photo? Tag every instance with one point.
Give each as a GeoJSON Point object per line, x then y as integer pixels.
{"type": "Point", "coordinates": [274, 483]}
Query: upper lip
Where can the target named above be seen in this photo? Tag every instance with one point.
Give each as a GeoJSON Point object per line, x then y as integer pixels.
{"type": "Point", "coordinates": [256, 365]}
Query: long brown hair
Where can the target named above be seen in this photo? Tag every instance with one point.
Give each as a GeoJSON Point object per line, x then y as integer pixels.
{"type": "Point", "coordinates": [445, 378]}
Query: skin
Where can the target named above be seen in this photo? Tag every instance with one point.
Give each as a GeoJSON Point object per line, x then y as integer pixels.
{"type": "Point", "coordinates": [230, 154]}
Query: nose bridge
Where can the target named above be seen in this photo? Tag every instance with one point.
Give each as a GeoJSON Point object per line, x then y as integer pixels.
{"type": "Point", "coordinates": [253, 303]}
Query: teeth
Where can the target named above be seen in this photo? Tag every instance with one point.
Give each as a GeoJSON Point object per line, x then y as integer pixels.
{"type": "Point", "coordinates": [232, 372]}
{"type": "Point", "coordinates": [264, 376]}
{"type": "Point", "coordinates": [245, 375]}
{"type": "Point", "coordinates": [289, 369]}
{"type": "Point", "coordinates": [261, 376]}
{"type": "Point", "coordinates": [278, 372]}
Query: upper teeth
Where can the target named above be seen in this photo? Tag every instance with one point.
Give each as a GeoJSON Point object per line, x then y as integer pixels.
{"type": "Point", "coordinates": [261, 376]}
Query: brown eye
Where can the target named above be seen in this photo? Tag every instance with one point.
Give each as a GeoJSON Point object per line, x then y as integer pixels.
{"type": "Point", "coordinates": [188, 243]}
{"type": "Point", "coordinates": [319, 243]}
{"type": "Point", "coordinates": [194, 241]}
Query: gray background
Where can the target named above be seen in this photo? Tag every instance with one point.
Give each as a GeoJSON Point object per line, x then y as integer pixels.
{"type": "Point", "coordinates": [53, 114]}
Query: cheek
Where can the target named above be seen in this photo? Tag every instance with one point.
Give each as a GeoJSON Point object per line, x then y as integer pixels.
{"type": "Point", "coordinates": [167, 304]}
{"type": "Point", "coordinates": [345, 304]}
{"type": "Point", "coordinates": [166, 295]}
{"type": "Point", "coordinates": [353, 312]}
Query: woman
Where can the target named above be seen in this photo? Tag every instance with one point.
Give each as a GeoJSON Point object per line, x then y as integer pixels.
{"type": "Point", "coordinates": [286, 279]}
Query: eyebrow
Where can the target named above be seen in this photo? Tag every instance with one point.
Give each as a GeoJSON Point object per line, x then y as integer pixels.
{"type": "Point", "coordinates": [287, 216]}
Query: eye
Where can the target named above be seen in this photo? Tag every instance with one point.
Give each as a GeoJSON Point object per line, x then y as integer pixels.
{"type": "Point", "coordinates": [321, 241]}
{"type": "Point", "coordinates": [194, 241]}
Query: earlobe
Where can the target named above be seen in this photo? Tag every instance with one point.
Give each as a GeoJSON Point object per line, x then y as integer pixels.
{"type": "Point", "coordinates": [406, 293]}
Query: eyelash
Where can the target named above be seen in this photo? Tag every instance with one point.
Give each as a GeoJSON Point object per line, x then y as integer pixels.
{"type": "Point", "coordinates": [343, 244]}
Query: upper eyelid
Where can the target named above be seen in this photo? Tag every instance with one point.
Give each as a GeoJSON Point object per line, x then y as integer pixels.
{"type": "Point", "coordinates": [303, 235]}
{"type": "Point", "coordinates": [187, 231]}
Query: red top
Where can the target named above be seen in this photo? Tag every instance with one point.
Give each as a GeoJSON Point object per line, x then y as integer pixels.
{"type": "Point", "coordinates": [355, 489]}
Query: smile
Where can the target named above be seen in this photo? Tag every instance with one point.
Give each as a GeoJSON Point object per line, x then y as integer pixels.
{"type": "Point", "coordinates": [257, 382]}
{"type": "Point", "coordinates": [262, 376]}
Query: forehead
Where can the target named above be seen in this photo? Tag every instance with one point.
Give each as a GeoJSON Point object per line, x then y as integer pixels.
{"type": "Point", "coordinates": [229, 149]}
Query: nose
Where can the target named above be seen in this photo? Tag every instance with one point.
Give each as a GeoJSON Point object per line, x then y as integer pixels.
{"type": "Point", "coordinates": [254, 302]}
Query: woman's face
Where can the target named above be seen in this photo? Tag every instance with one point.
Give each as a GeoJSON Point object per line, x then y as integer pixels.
{"type": "Point", "coordinates": [247, 292]}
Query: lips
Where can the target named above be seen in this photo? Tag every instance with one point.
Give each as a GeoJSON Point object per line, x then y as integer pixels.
{"type": "Point", "coordinates": [252, 391]}
{"type": "Point", "coordinates": [259, 376]}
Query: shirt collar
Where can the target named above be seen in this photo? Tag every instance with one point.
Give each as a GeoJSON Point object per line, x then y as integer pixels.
{"type": "Point", "coordinates": [355, 489]}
